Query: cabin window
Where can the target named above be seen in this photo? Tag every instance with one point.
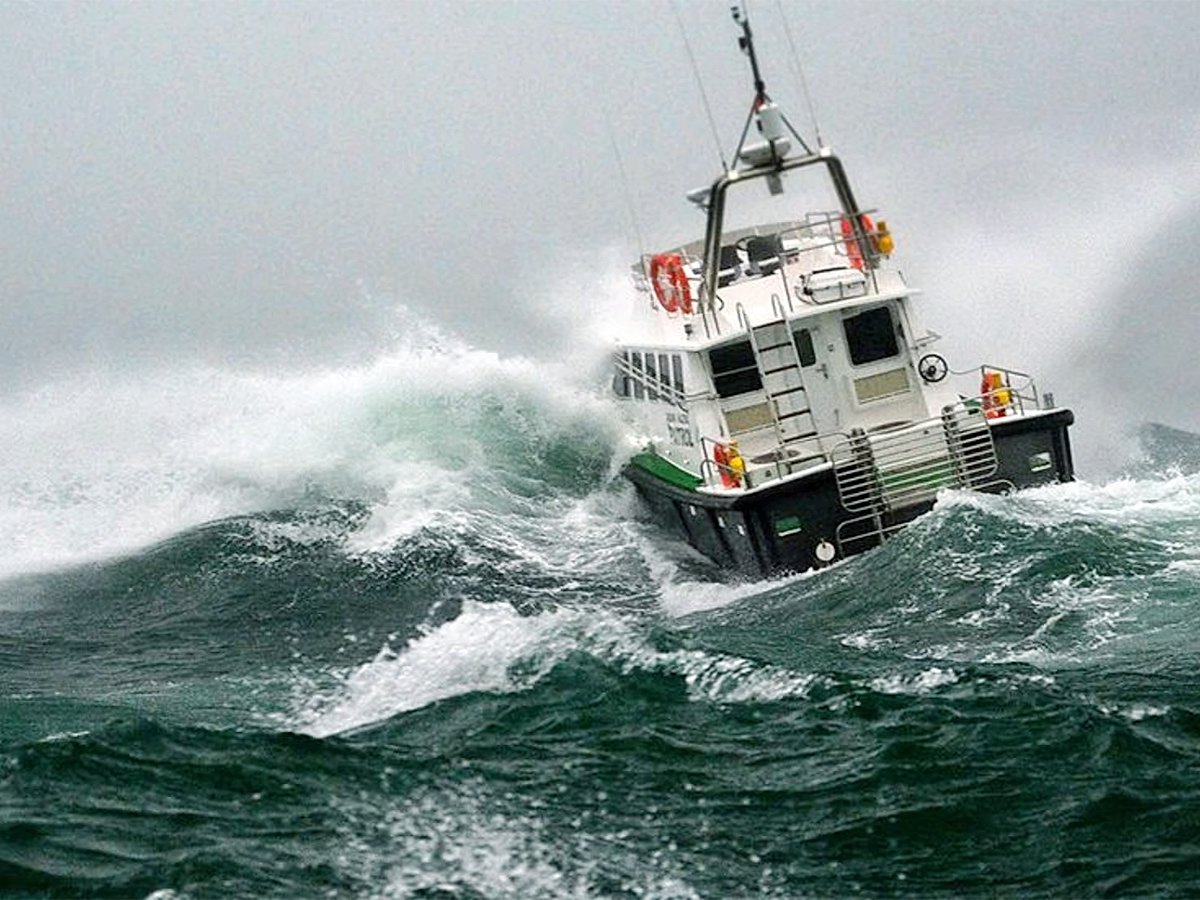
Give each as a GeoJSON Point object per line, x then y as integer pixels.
{"type": "Point", "coordinates": [648, 375]}
{"type": "Point", "coordinates": [635, 359]}
{"type": "Point", "coordinates": [734, 369]}
{"type": "Point", "coordinates": [804, 347]}
{"type": "Point", "coordinates": [620, 383]}
{"type": "Point", "coordinates": [651, 377]}
{"type": "Point", "coordinates": [870, 336]}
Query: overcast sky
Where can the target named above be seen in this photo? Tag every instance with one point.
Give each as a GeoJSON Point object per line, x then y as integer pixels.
{"type": "Point", "coordinates": [259, 182]}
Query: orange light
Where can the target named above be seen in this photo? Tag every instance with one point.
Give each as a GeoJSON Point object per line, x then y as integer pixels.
{"type": "Point", "coordinates": [883, 239]}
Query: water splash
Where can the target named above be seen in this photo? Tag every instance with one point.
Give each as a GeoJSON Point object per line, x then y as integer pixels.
{"type": "Point", "coordinates": [107, 464]}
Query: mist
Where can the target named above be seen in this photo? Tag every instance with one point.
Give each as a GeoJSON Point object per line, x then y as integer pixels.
{"type": "Point", "coordinates": [282, 184]}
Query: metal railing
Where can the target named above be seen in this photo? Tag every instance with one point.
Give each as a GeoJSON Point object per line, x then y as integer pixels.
{"type": "Point", "coordinates": [1017, 390]}
{"type": "Point", "coordinates": [905, 467]}
{"type": "Point", "coordinates": [882, 474]}
{"type": "Point", "coordinates": [653, 384]}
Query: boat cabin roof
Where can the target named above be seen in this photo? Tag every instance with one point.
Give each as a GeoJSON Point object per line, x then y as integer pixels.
{"type": "Point", "coordinates": [790, 270]}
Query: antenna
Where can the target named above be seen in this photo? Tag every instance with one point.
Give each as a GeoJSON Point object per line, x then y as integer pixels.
{"type": "Point", "coordinates": [770, 119]}
{"type": "Point", "coordinates": [798, 68]}
{"type": "Point", "coordinates": [712, 123]}
{"type": "Point", "coordinates": [746, 42]}
{"type": "Point", "coordinates": [637, 230]}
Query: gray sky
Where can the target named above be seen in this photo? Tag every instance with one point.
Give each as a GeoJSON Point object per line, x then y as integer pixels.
{"type": "Point", "coordinates": [256, 183]}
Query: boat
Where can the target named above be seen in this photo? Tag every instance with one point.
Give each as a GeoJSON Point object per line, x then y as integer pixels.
{"type": "Point", "coordinates": [789, 407]}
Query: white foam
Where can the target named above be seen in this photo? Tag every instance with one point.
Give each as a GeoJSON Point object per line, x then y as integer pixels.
{"type": "Point", "coordinates": [107, 464]}
{"type": "Point", "coordinates": [491, 648]}
{"type": "Point", "coordinates": [681, 595]}
{"type": "Point", "coordinates": [459, 838]}
{"type": "Point", "coordinates": [1139, 711]}
{"type": "Point", "coordinates": [1123, 501]}
{"type": "Point", "coordinates": [925, 682]}
{"type": "Point", "coordinates": [471, 839]}
{"type": "Point", "coordinates": [474, 652]}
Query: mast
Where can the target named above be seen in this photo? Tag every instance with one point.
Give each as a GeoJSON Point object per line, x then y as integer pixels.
{"type": "Point", "coordinates": [746, 42]}
{"type": "Point", "coordinates": [769, 159]}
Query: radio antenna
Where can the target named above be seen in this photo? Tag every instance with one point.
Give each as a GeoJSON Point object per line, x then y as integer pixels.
{"type": "Point", "coordinates": [798, 67]}
{"type": "Point", "coordinates": [746, 42]}
{"type": "Point", "coordinates": [712, 123]}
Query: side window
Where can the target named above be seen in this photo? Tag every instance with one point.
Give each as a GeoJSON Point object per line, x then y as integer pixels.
{"type": "Point", "coordinates": [636, 359]}
{"type": "Point", "coordinates": [734, 369]}
{"type": "Point", "coordinates": [677, 372]}
{"type": "Point", "coordinates": [651, 376]}
{"type": "Point", "coordinates": [870, 336]}
{"type": "Point", "coordinates": [620, 383]}
{"type": "Point", "coordinates": [804, 347]}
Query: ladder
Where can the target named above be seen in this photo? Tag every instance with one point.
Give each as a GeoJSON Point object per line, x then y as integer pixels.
{"type": "Point", "coordinates": [779, 364]}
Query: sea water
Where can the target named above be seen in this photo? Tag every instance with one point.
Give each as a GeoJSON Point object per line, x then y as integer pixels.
{"type": "Point", "coordinates": [400, 631]}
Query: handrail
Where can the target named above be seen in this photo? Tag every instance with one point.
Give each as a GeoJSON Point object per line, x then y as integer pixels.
{"type": "Point", "coordinates": [707, 464]}
{"type": "Point", "coordinates": [743, 319]}
{"type": "Point", "coordinates": [786, 464]}
{"type": "Point", "coordinates": [777, 305]}
{"type": "Point", "coordinates": [895, 470]}
{"type": "Point", "coordinates": [1019, 387]}
{"type": "Point", "coordinates": [916, 461]}
{"type": "Point", "coordinates": [654, 385]}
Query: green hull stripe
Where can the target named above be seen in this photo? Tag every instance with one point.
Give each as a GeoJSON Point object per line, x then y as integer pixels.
{"type": "Point", "coordinates": [663, 468]}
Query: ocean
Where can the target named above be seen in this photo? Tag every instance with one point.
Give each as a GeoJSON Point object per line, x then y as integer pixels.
{"type": "Point", "coordinates": [400, 631]}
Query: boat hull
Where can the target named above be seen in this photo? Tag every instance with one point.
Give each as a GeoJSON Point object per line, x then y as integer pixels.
{"type": "Point", "coordinates": [778, 527]}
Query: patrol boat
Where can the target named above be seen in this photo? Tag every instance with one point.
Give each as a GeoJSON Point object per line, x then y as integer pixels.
{"type": "Point", "coordinates": [792, 409]}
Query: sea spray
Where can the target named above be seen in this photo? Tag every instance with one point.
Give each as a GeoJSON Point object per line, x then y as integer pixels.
{"type": "Point", "coordinates": [107, 464]}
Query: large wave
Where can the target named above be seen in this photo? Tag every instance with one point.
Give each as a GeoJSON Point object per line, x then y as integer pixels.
{"type": "Point", "coordinates": [1051, 580]}
{"type": "Point", "coordinates": [101, 465]}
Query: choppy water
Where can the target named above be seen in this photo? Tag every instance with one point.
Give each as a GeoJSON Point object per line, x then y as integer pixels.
{"type": "Point", "coordinates": [399, 632]}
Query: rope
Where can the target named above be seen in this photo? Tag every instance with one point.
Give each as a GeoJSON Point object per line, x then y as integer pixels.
{"type": "Point", "coordinates": [637, 230]}
{"type": "Point", "coordinates": [712, 123]}
{"type": "Point", "coordinates": [798, 71]}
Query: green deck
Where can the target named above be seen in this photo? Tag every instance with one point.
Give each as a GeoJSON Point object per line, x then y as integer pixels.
{"type": "Point", "coordinates": [663, 468]}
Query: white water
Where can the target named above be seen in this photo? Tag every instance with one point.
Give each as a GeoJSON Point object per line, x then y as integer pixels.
{"type": "Point", "coordinates": [490, 648]}
{"type": "Point", "coordinates": [103, 465]}
{"type": "Point", "coordinates": [471, 834]}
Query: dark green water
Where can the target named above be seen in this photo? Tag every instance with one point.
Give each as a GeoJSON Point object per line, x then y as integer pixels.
{"type": "Point", "coordinates": [509, 685]}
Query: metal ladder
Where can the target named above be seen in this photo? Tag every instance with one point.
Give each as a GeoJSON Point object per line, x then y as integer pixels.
{"type": "Point", "coordinates": [779, 364]}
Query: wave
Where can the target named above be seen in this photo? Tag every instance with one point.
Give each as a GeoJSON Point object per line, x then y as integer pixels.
{"type": "Point", "coordinates": [101, 466]}
{"type": "Point", "coordinates": [1037, 647]}
{"type": "Point", "coordinates": [1059, 579]}
{"type": "Point", "coordinates": [353, 630]}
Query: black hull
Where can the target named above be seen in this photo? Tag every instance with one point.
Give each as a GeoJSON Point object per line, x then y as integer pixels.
{"type": "Point", "coordinates": [777, 528]}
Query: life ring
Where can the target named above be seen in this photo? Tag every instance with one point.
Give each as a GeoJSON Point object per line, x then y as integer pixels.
{"type": "Point", "coordinates": [670, 283]}
{"type": "Point", "coordinates": [996, 397]}
{"type": "Point", "coordinates": [853, 251]}
{"type": "Point", "coordinates": [729, 463]}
